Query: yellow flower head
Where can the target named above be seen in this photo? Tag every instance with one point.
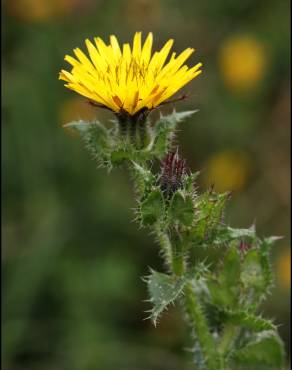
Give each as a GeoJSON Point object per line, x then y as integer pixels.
{"type": "Point", "coordinates": [126, 79]}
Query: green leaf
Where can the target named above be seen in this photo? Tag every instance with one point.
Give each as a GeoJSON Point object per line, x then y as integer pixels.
{"type": "Point", "coordinates": [242, 233]}
{"type": "Point", "coordinates": [198, 272]}
{"type": "Point", "coordinates": [163, 290]}
{"type": "Point", "coordinates": [119, 156]}
{"type": "Point", "coordinates": [96, 138]}
{"type": "Point", "coordinates": [93, 129]}
{"type": "Point", "coordinates": [209, 209]}
{"type": "Point", "coordinates": [176, 117]}
{"type": "Point", "coordinates": [225, 287]}
{"type": "Point", "coordinates": [163, 131]}
{"type": "Point", "coordinates": [152, 208]}
{"type": "Point", "coordinates": [181, 209]}
{"type": "Point", "coordinates": [268, 242]}
{"type": "Point", "coordinates": [264, 251]}
{"type": "Point", "coordinates": [264, 351]}
{"type": "Point", "coordinates": [252, 275]}
{"type": "Point", "coordinates": [189, 182]}
{"type": "Point", "coordinates": [247, 320]}
{"type": "Point", "coordinates": [143, 177]}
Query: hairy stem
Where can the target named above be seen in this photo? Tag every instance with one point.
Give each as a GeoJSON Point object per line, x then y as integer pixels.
{"type": "Point", "coordinates": [199, 324]}
{"type": "Point", "coordinates": [229, 335]}
{"type": "Point", "coordinates": [165, 244]}
{"type": "Point", "coordinates": [173, 250]}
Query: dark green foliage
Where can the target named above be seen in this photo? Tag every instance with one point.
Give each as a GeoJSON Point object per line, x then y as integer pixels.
{"type": "Point", "coordinates": [221, 303]}
{"type": "Point", "coordinates": [152, 208]}
{"type": "Point", "coordinates": [264, 351]}
{"type": "Point", "coordinates": [252, 276]}
{"type": "Point", "coordinates": [224, 286]}
{"type": "Point", "coordinates": [209, 208]}
{"type": "Point", "coordinates": [181, 209]}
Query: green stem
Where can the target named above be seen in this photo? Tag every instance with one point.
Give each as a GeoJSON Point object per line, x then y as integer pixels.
{"type": "Point", "coordinates": [227, 338]}
{"type": "Point", "coordinates": [174, 255]}
{"type": "Point", "coordinates": [229, 334]}
{"type": "Point", "coordinates": [173, 251]}
{"type": "Point", "coordinates": [178, 261]}
{"type": "Point", "coordinates": [193, 308]}
{"type": "Point", "coordinates": [164, 242]}
{"type": "Point", "coordinates": [199, 324]}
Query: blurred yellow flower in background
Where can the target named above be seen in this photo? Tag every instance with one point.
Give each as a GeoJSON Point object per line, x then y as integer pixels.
{"type": "Point", "coordinates": [284, 268]}
{"type": "Point", "coordinates": [243, 62]}
{"type": "Point", "coordinates": [227, 170]}
{"type": "Point", "coordinates": [32, 10]}
{"type": "Point", "coordinates": [44, 10]}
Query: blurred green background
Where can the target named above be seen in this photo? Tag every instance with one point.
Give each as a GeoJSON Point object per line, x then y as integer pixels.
{"type": "Point", "coordinates": [72, 257]}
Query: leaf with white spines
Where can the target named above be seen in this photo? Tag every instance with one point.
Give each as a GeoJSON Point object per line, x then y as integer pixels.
{"type": "Point", "coordinates": [163, 290]}
{"type": "Point", "coordinates": [244, 319]}
{"type": "Point", "coordinates": [144, 178]}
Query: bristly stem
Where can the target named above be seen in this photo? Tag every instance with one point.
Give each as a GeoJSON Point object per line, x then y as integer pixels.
{"type": "Point", "coordinates": [230, 333]}
{"type": "Point", "coordinates": [165, 244]}
{"type": "Point", "coordinates": [173, 251]}
{"type": "Point", "coordinates": [196, 317]}
{"type": "Point", "coordinates": [181, 220]}
{"type": "Point", "coordinates": [199, 324]}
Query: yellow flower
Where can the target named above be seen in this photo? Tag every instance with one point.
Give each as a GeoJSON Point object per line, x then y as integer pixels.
{"type": "Point", "coordinates": [125, 79]}
{"type": "Point", "coordinates": [242, 61]}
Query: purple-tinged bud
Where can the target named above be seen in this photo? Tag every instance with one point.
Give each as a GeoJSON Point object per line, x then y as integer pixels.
{"type": "Point", "coordinates": [243, 247]}
{"type": "Point", "coordinates": [173, 169]}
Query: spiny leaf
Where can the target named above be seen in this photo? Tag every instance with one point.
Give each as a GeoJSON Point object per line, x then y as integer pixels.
{"type": "Point", "coordinates": [247, 320]}
{"type": "Point", "coordinates": [242, 233]}
{"type": "Point", "coordinates": [189, 182]}
{"type": "Point", "coordinates": [181, 209]}
{"type": "Point", "coordinates": [152, 208]}
{"type": "Point", "coordinates": [95, 129]}
{"type": "Point", "coordinates": [176, 117]}
{"type": "Point", "coordinates": [264, 351]}
{"type": "Point", "coordinates": [163, 290]}
{"type": "Point", "coordinates": [209, 208]}
{"type": "Point", "coordinates": [252, 275]}
{"type": "Point", "coordinates": [164, 130]}
{"type": "Point", "coordinates": [143, 177]}
{"type": "Point", "coordinates": [224, 288]}
{"type": "Point", "coordinates": [269, 241]}
{"type": "Point", "coordinates": [264, 250]}
{"type": "Point", "coordinates": [96, 138]}
{"type": "Point", "coordinates": [199, 271]}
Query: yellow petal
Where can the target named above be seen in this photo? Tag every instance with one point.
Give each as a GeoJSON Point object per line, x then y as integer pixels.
{"type": "Point", "coordinates": [146, 51]}
{"type": "Point", "coordinates": [121, 78]}
{"type": "Point", "coordinates": [137, 45]}
{"type": "Point", "coordinates": [115, 46]}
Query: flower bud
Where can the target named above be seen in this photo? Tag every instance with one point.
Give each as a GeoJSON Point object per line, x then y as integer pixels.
{"type": "Point", "coordinates": [173, 170]}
